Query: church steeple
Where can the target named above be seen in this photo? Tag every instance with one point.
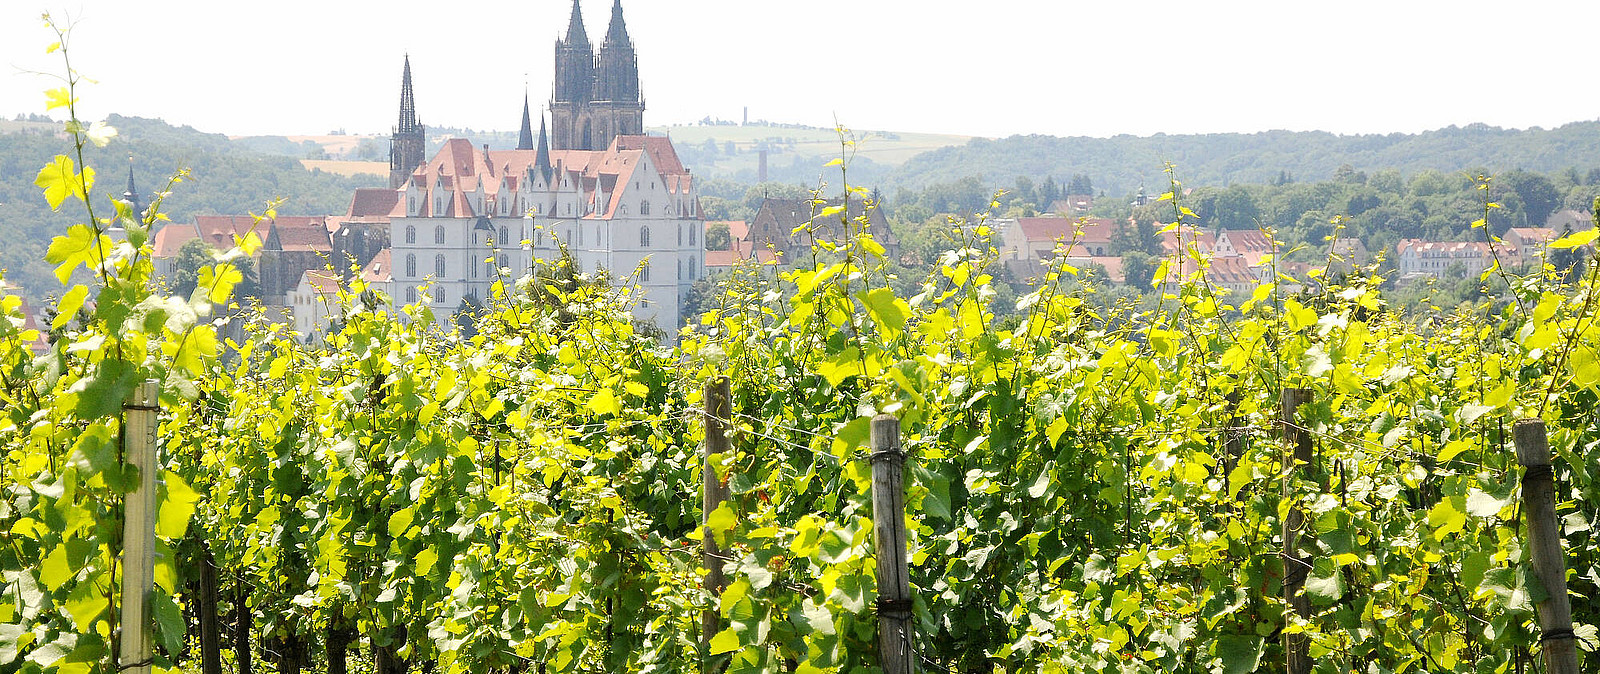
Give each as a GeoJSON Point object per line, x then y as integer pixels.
{"type": "Point", "coordinates": [542, 164]}
{"type": "Point", "coordinates": [576, 35]}
{"type": "Point", "coordinates": [525, 141]}
{"type": "Point", "coordinates": [408, 145]}
{"type": "Point", "coordinates": [131, 195]}
{"type": "Point", "coordinates": [408, 103]}
{"type": "Point", "coordinates": [618, 73]}
{"type": "Point", "coordinates": [617, 34]}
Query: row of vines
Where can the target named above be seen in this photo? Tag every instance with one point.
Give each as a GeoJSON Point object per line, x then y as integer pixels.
{"type": "Point", "coordinates": [1089, 488]}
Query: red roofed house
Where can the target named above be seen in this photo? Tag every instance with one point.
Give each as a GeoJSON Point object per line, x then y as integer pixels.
{"type": "Point", "coordinates": [1251, 244]}
{"type": "Point", "coordinates": [1037, 238]}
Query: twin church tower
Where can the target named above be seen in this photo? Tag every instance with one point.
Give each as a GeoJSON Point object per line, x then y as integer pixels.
{"type": "Point", "coordinates": [595, 99]}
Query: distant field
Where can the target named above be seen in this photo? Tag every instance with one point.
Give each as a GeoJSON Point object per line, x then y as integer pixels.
{"type": "Point", "coordinates": [883, 147]}
{"type": "Point", "coordinates": [11, 126]}
{"type": "Point", "coordinates": [347, 168]}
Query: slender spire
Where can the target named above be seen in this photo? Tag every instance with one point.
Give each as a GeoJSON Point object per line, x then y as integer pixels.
{"type": "Point", "coordinates": [542, 164]}
{"type": "Point", "coordinates": [576, 35]}
{"type": "Point", "coordinates": [618, 32]}
{"type": "Point", "coordinates": [525, 141]}
{"type": "Point", "coordinates": [408, 103]}
{"type": "Point", "coordinates": [132, 194]}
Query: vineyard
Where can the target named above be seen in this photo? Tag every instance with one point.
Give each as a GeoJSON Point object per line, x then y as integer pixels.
{"type": "Point", "coordinates": [1086, 489]}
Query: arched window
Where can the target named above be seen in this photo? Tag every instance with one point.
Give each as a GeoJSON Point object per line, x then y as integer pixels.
{"type": "Point", "coordinates": [680, 235]}
{"type": "Point", "coordinates": [644, 272]}
{"type": "Point", "coordinates": [644, 208]}
{"type": "Point", "coordinates": [599, 236]}
{"type": "Point", "coordinates": [438, 234]}
{"type": "Point", "coordinates": [680, 270]}
{"type": "Point", "coordinates": [411, 205]}
{"type": "Point", "coordinates": [580, 235]}
{"type": "Point", "coordinates": [438, 293]}
{"type": "Point", "coordinates": [538, 237]}
{"type": "Point", "coordinates": [411, 266]}
{"type": "Point", "coordinates": [692, 236]}
{"type": "Point", "coordinates": [411, 295]}
{"type": "Point", "coordinates": [644, 237]}
{"type": "Point", "coordinates": [505, 263]}
{"type": "Point", "coordinates": [438, 266]}
{"type": "Point", "coordinates": [411, 233]}
{"type": "Point", "coordinates": [503, 235]}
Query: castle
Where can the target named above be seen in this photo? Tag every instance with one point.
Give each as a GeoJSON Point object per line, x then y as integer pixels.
{"type": "Point", "coordinates": [593, 184]}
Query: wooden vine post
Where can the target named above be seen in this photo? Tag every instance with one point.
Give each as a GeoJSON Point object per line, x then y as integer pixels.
{"type": "Point", "coordinates": [1556, 639]}
{"type": "Point", "coordinates": [896, 649]}
{"type": "Point", "coordinates": [139, 529]}
{"type": "Point", "coordinates": [719, 418]}
{"type": "Point", "coordinates": [1296, 646]}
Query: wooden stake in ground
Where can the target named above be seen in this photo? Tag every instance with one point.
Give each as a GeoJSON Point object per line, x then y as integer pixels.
{"type": "Point", "coordinates": [719, 418]}
{"type": "Point", "coordinates": [1296, 647]}
{"type": "Point", "coordinates": [139, 529]}
{"type": "Point", "coordinates": [1544, 545]}
{"type": "Point", "coordinates": [896, 649]}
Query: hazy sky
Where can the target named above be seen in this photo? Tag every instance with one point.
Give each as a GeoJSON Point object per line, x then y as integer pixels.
{"type": "Point", "coordinates": [991, 68]}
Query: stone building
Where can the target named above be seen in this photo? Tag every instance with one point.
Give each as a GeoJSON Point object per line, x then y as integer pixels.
{"type": "Point", "coordinates": [773, 227]}
{"type": "Point", "coordinates": [595, 96]}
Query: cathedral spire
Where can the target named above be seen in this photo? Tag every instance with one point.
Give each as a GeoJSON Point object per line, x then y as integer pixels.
{"type": "Point", "coordinates": [408, 103]}
{"type": "Point", "coordinates": [410, 139]}
{"type": "Point", "coordinates": [525, 141]}
{"type": "Point", "coordinates": [576, 35]}
{"type": "Point", "coordinates": [542, 164]}
{"type": "Point", "coordinates": [618, 32]}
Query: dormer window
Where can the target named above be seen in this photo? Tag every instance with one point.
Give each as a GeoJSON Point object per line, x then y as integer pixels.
{"type": "Point", "coordinates": [644, 208]}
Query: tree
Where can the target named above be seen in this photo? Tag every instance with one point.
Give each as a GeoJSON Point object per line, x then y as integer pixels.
{"type": "Point", "coordinates": [1048, 192]}
{"type": "Point", "coordinates": [186, 268]}
{"type": "Point", "coordinates": [1539, 196]}
{"type": "Point", "coordinates": [1138, 268]}
{"type": "Point", "coordinates": [1080, 184]}
{"type": "Point", "coordinates": [718, 237]}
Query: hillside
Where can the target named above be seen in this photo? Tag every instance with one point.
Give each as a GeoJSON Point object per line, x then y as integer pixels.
{"type": "Point", "coordinates": [794, 152]}
{"type": "Point", "coordinates": [225, 178]}
{"type": "Point", "coordinates": [1119, 164]}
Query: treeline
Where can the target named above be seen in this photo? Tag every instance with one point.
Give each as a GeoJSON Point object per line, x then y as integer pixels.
{"type": "Point", "coordinates": [1120, 163]}
{"type": "Point", "coordinates": [225, 179]}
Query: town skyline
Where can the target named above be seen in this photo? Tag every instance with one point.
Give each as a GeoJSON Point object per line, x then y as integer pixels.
{"type": "Point", "coordinates": [1064, 70]}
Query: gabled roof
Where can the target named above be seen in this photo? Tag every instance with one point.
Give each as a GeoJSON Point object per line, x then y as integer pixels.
{"type": "Point", "coordinates": [321, 282]}
{"type": "Point", "coordinates": [220, 230]}
{"type": "Point", "coordinates": [1248, 240]}
{"type": "Point", "coordinates": [170, 239]}
{"type": "Point", "coordinates": [379, 270]}
{"type": "Point", "coordinates": [737, 229]}
{"type": "Point", "coordinates": [370, 202]}
{"type": "Point", "coordinates": [1045, 230]}
{"type": "Point", "coordinates": [298, 234]}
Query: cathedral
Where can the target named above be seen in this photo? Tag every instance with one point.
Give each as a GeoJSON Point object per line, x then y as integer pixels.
{"type": "Point", "coordinates": [589, 183]}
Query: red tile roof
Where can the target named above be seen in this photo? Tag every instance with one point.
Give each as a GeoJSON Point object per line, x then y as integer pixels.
{"type": "Point", "coordinates": [322, 282]}
{"type": "Point", "coordinates": [737, 229]}
{"type": "Point", "coordinates": [170, 239]}
{"type": "Point", "coordinates": [1094, 230]}
{"type": "Point", "coordinates": [371, 202]}
{"type": "Point", "coordinates": [379, 270]}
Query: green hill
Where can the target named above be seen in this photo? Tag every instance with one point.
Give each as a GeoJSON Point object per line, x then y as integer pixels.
{"type": "Point", "coordinates": [225, 178]}
{"type": "Point", "coordinates": [1119, 164]}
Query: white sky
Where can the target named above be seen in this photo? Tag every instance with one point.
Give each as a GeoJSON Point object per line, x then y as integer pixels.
{"type": "Point", "coordinates": [991, 68]}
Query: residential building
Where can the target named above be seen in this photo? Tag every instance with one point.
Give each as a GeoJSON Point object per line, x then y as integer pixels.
{"type": "Point", "coordinates": [774, 227]}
